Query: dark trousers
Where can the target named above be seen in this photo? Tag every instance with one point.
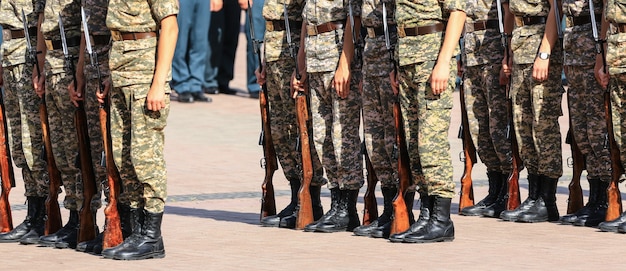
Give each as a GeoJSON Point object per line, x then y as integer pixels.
{"type": "Point", "coordinates": [223, 36]}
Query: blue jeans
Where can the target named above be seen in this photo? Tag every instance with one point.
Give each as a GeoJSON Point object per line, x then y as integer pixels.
{"type": "Point", "coordinates": [223, 38]}
{"type": "Point", "coordinates": [259, 33]}
{"type": "Point", "coordinates": [189, 61]}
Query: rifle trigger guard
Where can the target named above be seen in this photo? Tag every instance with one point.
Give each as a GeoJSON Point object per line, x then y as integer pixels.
{"type": "Point", "coordinates": [570, 162]}
{"type": "Point", "coordinates": [462, 157]}
{"type": "Point", "coordinates": [263, 163]}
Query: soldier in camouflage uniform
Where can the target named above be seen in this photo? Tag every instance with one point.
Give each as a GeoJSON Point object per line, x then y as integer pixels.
{"type": "Point", "coordinates": [89, 85]}
{"type": "Point", "coordinates": [378, 119]}
{"type": "Point", "coordinates": [426, 82]}
{"type": "Point", "coordinates": [335, 105]}
{"type": "Point", "coordinates": [21, 106]}
{"type": "Point", "coordinates": [140, 105]}
{"type": "Point", "coordinates": [537, 92]}
{"type": "Point", "coordinates": [586, 108]}
{"type": "Point", "coordinates": [615, 22]}
{"type": "Point", "coordinates": [60, 110]}
{"type": "Point", "coordinates": [277, 70]}
{"type": "Point", "coordinates": [486, 103]}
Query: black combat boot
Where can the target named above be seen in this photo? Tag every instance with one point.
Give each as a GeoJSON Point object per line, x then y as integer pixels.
{"type": "Point", "coordinates": [495, 183]}
{"type": "Point", "coordinates": [495, 209]}
{"type": "Point", "coordinates": [389, 193]}
{"type": "Point", "coordinates": [545, 207]}
{"type": "Point", "coordinates": [290, 221]}
{"type": "Point", "coordinates": [38, 222]}
{"type": "Point", "coordinates": [134, 223]}
{"type": "Point", "coordinates": [89, 246]}
{"type": "Point", "coordinates": [70, 229]}
{"type": "Point", "coordinates": [597, 214]}
{"type": "Point", "coordinates": [23, 228]}
{"type": "Point", "coordinates": [274, 220]}
{"type": "Point", "coordinates": [439, 227]}
{"type": "Point", "coordinates": [334, 205]}
{"type": "Point", "coordinates": [533, 195]}
{"type": "Point", "coordinates": [584, 212]}
{"type": "Point", "coordinates": [384, 230]}
{"type": "Point", "coordinates": [147, 245]}
{"type": "Point", "coordinates": [426, 208]}
{"type": "Point", "coordinates": [346, 218]}
{"type": "Point", "coordinates": [613, 225]}
{"type": "Point", "coordinates": [70, 240]}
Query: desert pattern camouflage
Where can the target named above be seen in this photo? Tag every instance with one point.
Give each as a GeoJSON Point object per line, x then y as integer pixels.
{"type": "Point", "coordinates": [276, 47]}
{"type": "Point", "coordinates": [536, 110]}
{"type": "Point", "coordinates": [412, 13]}
{"type": "Point", "coordinates": [578, 42]}
{"type": "Point", "coordinates": [372, 13]}
{"type": "Point", "coordinates": [527, 39]}
{"type": "Point", "coordinates": [616, 50]}
{"type": "Point", "coordinates": [283, 122]}
{"type": "Point", "coordinates": [13, 51]}
{"type": "Point", "coordinates": [378, 120]}
{"type": "Point", "coordinates": [426, 124]}
{"type": "Point", "coordinates": [70, 14]}
{"type": "Point", "coordinates": [21, 106]}
{"type": "Point", "coordinates": [618, 93]}
{"type": "Point", "coordinates": [586, 108]}
{"type": "Point", "coordinates": [138, 148]}
{"type": "Point", "coordinates": [336, 131]}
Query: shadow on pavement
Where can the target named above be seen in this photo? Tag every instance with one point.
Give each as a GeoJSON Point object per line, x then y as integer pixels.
{"type": "Point", "coordinates": [222, 215]}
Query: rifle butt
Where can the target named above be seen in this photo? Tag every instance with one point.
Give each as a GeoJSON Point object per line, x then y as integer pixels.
{"type": "Point", "coordinates": [305, 211]}
{"type": "Point", "coordinates": [400, 220]}
{"type": "Point", "coordinates": [467, 191]}
{"type": "Point", "coordinates": [370, 212]}
{"type": "Point", "coordinates": [87, 219]}
{"type": "Point", "coordinates": [268, 202]}
{"type": "Point", "coordinates": [513, 200]}
{"type": "Point", "coordinates": [575, 199]}
{"type": "Point", "coordinates": [112, 235]}
{"type": "Point", "coordinates": [614, 198]}
{"type": "Point", "coordinates": [6, 219]}
{"type": "Point", "coordinates": [6, 171]}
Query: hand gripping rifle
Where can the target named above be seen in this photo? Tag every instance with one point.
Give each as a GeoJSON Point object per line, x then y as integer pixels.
{"type": "Point", "coordinates": [468, 156]}
{"type": "Point", "coordinates": [6, 170]}
{"type": "Point", "coordinates": [614, 197]}
{"type": "Point", "coordinates": [400, 220]}
{"type": "Point", "coordinates": [112, 231]}
{"type": "Point", "coordinates": [87, 219]}
{"type": "Point", "coordinates": [513, 200]}
{"type": "Point", "coordinates": [53, 212]}
{"type": "Point", "coordinates": [269, 161]}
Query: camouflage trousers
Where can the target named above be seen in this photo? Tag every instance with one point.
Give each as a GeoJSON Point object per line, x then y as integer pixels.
{"type": "Point", "coordinates": [618, 110]}
{"type": "Point", "coordinates": [585, 98]}
{"type": "Point", "coordinates": [336, 131]}
{"type": "Point", "coordinates": [22, 113]}
{"type": "Point", "coordinates": [378, 121]}
{"type": "Point", "coordinates": [426, 124]}
{"type": "Point", "coordinates": [284, 126]}
{"type": "Point", "coordinates": [63, 131]}
{"type": "Point", "coordinates": [138, 140]}
{"type": "Point", "coordinates": [486, 104]}
{"type": "Point", "coordinates": [536, 111]}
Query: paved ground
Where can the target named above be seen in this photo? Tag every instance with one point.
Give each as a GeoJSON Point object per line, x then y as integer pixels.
{"type": "Point", "coordinates": [211, 220]}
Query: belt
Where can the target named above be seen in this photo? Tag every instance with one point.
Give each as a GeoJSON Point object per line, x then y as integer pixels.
{"type": "Point", "coordinates": [58, 44]}
{"type": "Point", "coordinates": [8, 34]}
{"type": "Point", "coordinates": [481, 25]}
{"type": "Point", "coordinates": [313, 30]}
{"type": "Point", "coordinates": [119, 36]}
{"type": "Point", "coordinates": [420, 30]}
{"type": "Point", "coordinates": [278, 25]}
{"type": "Point", "coordinates": [100, 39]}
{"type": "Point", "coordinates": [621, 28]}
{"type": "Point", "coordinates": [373, 32]}
{"type": "Point", "coordinates": [529, 20]}
{"type": "Point", "coordinates": [580, 20]}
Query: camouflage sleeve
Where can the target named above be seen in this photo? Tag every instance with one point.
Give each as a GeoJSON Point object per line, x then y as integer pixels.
{"type": "Point", "coordinates": [163, 8]}
{"type": "Point", "coordinates": [452, 5]}
{"type": "Point", "coordinates": [38, 6]}
{"type": "Point", "coordinates": [356, 5]}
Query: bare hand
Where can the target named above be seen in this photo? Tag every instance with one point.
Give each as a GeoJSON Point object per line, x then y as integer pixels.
{"type": "Point", "coordinates": [260, 76]}
{"type": "Point", "coordinates": [298, 85]}
{"type": "Point", "coordinates": [102, 96]}
{"type": "Point", "coordinates": [75, 95]}
{"type": "Point", "coordinates": [600, 72]}
{"type": "Point", "coordinates": [540, 69]}
{"type": "Point", "coordinates": [156, 98]}
{"type": "Point", "coordinates": [394, 82]}
{"type": "Point", "coordinates": [244, 4]}
{"type": "Point", "coordinates": [216, 5]}
{"type": "Point", "coordinates": [39, 83]}
{"type": "Point", "coordinates": [439, 78]}
{"type": "Point", "coordinates": [341, 81]}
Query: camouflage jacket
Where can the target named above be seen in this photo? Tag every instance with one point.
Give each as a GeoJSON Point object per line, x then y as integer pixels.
{"type": "Point", "coordinates": [70, 14]}
{"type": "Point", "coordinates": [14, 51]}
{"type": "Point", "coordinates": [276, 47]}
{"type": "Point", "coordinates": [616, 11]}
{"type": "Point", "coordinates": [483, 46]}
{"type": "Point", "coordinates": [578, 42]}
{"type": "Point", "coordinates": [527, 39]}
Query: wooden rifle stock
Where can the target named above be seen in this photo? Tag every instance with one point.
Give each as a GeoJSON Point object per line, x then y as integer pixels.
{"type": "Point", "coordinates": [112, 235]}
{"type": "Point", "coordinates": [6, 171]}
{"type": "Point", "coordinates": [513, 200]}
{"type": "Point", "coordinates": [87, 226]}
{"type": "Point", "coordinates": [370, 212]}
{"type": "Point", "coordinates": [305, 211]}
{"type": "Point", "coordinates": [400, 220]}
{"type": "Point", "coordinates": [53, 212]}
{"type": "Point", "coordinates": [614, 196]}
{"type": "Point", "coordinates": [575, 200]}
{"type": "Point", "coordinates": [269, 161]}
{"type": "Point", "coordinates": [468, 157]}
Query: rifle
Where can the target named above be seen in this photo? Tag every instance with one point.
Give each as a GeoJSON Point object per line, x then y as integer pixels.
{"type": "Point", "coordinates": [112, 235]}
{"type": "Point", "coordinates": [87, 226]}
{"type": "Point", "coordinates": [614, 197]}
{"type": "Point", "coordinates": [6, 171]}
{"type": "Point", "coordinates": [577, 162]}
{"type": "Point", "coordinates": [513, 200]}
{"type": "Point", "coordinates": [468, 156]}
{"type": "Point", "coordinates": [370, 212]}
{"type": "Point", "coordinates": [269, 161]}
{"type": "Point", "coordinates": [400, 221]}
{"type": "Point", "coordinates": [53, 212]}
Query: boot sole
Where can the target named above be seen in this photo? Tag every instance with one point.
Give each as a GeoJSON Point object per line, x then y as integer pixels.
{"type": "Point", "coordinates": [436, 240]}
{"type": "Point", "coordinates": [154, 255]}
